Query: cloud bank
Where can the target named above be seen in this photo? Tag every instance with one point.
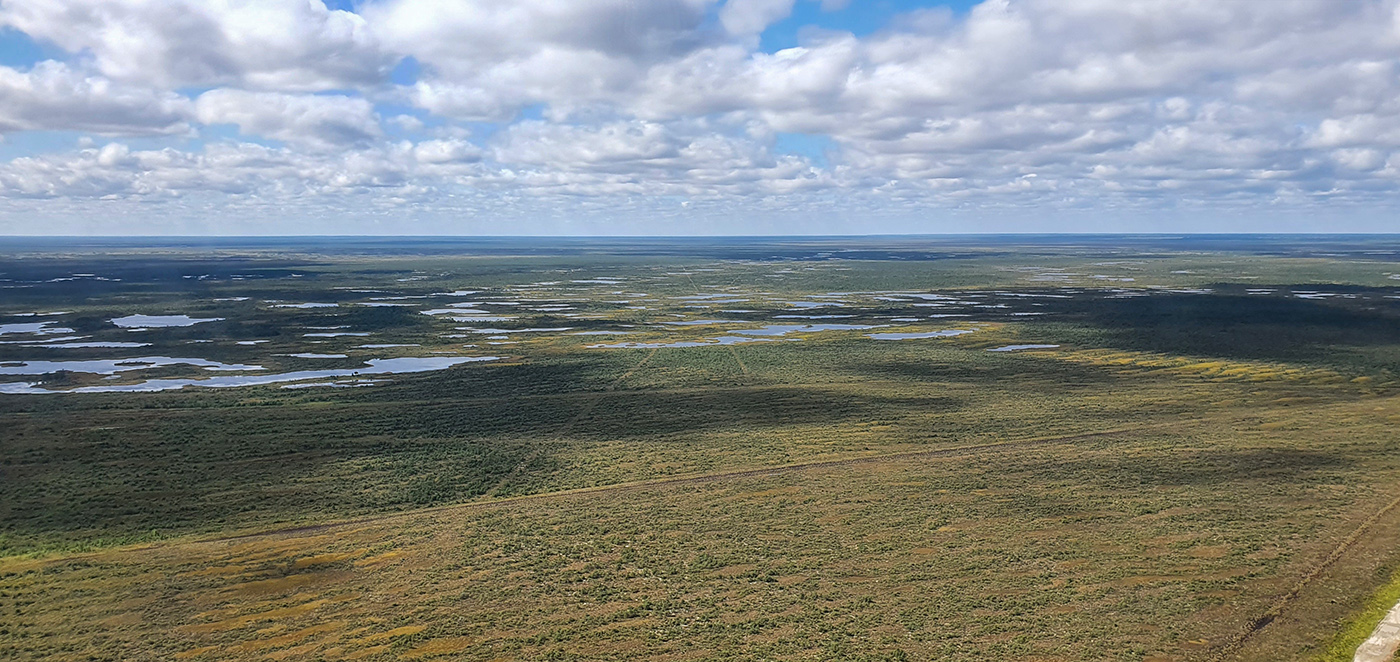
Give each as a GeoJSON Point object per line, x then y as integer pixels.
{"type": "Point", "coordinates": [286, 116]}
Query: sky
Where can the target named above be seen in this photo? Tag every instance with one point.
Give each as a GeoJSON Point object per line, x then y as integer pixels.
{"type": "Point", "coordinates": [697, 117]}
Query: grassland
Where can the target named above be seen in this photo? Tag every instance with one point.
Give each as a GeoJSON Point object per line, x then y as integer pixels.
{"type": "Point", "coordinates": [1203, 468]}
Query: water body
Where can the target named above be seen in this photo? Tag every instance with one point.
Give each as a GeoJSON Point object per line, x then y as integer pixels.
{"type": "Point", "coordinates": [456, 311]}
{"type": "Point", "coordinates": [483, 318]}
{"type": "Point", "coordinates": [36, 328]}
{"type": "Point", "coordinates": [39, 342]}
{"type": "Point", "coordinates": [309, 355]}
{"type": "Point", "coordinates": [784, 329]}
{"type": "Point", "coordinates": [541, 330]}
{"type": "Point", "coordinates": [89, 345]}
{"type": "Point", "coordinates": [1032, 296]}
{"type": "Point", "coordinates": [114, 366]}
{"type": "Point", "coordinates": [307, 305]}
{"type": "Point", "coordinates": [373, 367]}
{"type": "Point", "coordinates": [154, 321]}
{"type": "Point", "coordinates": [343, 384]}
{"type": "Point", "coordinates": [948, 333]}
{"type": "Point", "coordinates": [1017, 348]}
{"type": "Point", "coordinates": [335, 334]}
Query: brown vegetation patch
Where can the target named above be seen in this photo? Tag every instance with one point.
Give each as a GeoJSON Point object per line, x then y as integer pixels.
{"type": "Point", "coordinates": [283, 584]}
{"type": "Point", "coordinates": [195, 652]}
{"type": "Point", "coordinates": [390, 634]}
{"type": "Point", "coordinates": [441, 646]}
{"type": "Point", "coordinates": [271, 615]}
{"type": "Point", "coordinates": [291, 637]}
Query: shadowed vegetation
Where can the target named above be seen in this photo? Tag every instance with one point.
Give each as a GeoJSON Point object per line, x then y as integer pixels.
{"type": "Point", "coordinates": [1181, 453]}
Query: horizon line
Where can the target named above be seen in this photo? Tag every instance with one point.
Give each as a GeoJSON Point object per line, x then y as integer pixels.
{"type": "Point", "coordinates": [1285, 233]}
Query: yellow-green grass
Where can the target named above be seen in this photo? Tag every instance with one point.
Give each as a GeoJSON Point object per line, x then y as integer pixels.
{"type": "Point", "coordinates": [1162, 544]}
{"type": "Point", "coordinates": [1357, 627]}
{"type": "Point", "coordinates": [1187, 477]}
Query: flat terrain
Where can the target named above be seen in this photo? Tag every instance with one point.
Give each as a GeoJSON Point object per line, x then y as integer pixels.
{"type": "Point", "coordinates": [875, 449]}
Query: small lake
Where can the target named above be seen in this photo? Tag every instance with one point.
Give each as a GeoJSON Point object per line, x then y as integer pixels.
{"type": "Point", "coordinates": [947, 333]}
{"type": "Point", "coordinates": [154, 321]}
{"type": "Point", "coordinates": [784, 329]}
{"type": "Point", "coordinates": [373, 367]}
{"type": "Point", "coordinates": [706, 342]}
{"type": "Point", "coordinates": [113, 366]}
{"type": "Point", "coordinates": [36, 328]}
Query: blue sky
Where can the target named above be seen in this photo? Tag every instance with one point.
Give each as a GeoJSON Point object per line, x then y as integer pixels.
{"type": "Point", "coordinates": [697, 116]}
{"type": "Point", "coordinates": [858, 18]}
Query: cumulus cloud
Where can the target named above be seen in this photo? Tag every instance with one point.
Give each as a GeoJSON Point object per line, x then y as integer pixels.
{"type": "Point", "coordinates": [449, 151]}
{"type": "Point", "coordinates": [750, 17]}
{"type": "Point", "coordinates": [275, 44]}
{"type": "Point", "coordinates": [323, 122]}
{"type": "Point", "coordinates": [51, 96]}
{"type": "Point", "coordinates": [1077, 97]}
{"type": "Point", "coordinates": [467, 33]}
{"type": "Point", "coordinates": [115, 170]}
{"type": "Point", "coordinates": [535, 158]}
{"type": "Point", "coordinates": [652, 159]}
{"type": "Point", "coordinates": [546, 144]}
{"type": "Point", "coordinates": [1018, 104]}
{"type": "Point", "coordinates": [486, 58]}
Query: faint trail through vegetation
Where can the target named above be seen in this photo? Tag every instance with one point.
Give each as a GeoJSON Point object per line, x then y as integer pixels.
{"type": "Point", "coordinates": [569, 425]}
{"type": "Point", "coordinates": [1282, 603]}
{"type": "Point", "coordinates": [704, 478]}
{"type": "Point", "coordinates": [735, 354]}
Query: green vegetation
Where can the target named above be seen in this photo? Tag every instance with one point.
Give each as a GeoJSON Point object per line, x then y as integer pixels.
{"type": "Point", "coordinates": [1359, 625]}
{"type": "Point", "coordinates": [1197, 470]}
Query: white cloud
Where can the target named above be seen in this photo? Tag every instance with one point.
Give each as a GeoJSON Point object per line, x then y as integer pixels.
{"type": "Point", "coordinates": [751, 17]}
{"type": "Point", "coordinates": [317, 121]}
{"type": "Point", "coordinates": [274, 44]}
{"type": "Point", "coordinates": [1122, 105]}
{"type": "Point", "coordinates": [535, 158]}
{"type": "Point", "coordinates": [555, 145]}
{"type": "Point", "coordinates": [454, 150]}
{"type": "Point", "coordinates": [51, 96]}
{"type": "Point", "coordinates": [456, 34]}
{"type": "Point", "coordinates": [486, 59]}
{"type": "Point", "coordinates": [237, 169]}
{"type": "Point", "coordinates": [407, 123]}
